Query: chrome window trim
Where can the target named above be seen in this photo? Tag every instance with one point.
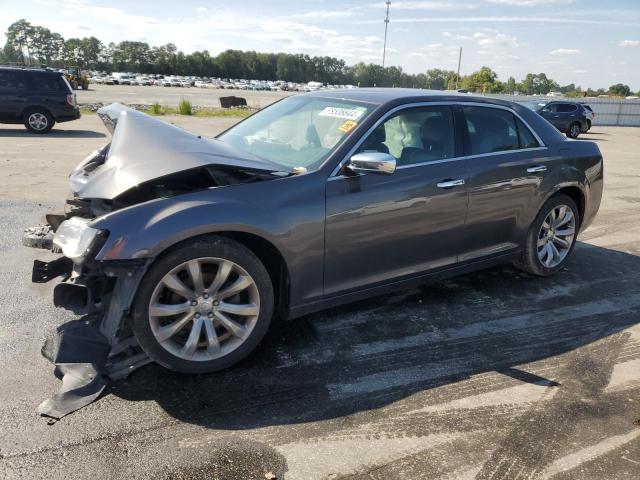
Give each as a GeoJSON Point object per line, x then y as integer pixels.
{"type": "Point", "coordinates": [334, 173]}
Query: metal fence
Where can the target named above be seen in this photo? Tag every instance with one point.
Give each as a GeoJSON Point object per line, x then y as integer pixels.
{"type": "Point", "coordinates": [609, 111]}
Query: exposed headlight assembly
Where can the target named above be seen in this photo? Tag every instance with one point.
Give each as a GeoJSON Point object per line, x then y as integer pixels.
{"type": "Point", "coordinates": [75, 238]}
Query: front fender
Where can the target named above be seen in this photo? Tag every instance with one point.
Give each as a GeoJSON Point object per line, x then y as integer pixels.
{"type": "Point", "coordinates": [145, 230]}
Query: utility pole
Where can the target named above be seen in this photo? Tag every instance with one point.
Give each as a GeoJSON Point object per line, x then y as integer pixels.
{"type": "Point", "coordinates": [458, 74]}
{"type": "Point", "coordinates": [386, 26]}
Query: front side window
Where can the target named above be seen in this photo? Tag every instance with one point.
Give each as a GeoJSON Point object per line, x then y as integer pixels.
{"type": "Point", "coordinates": [491, 130]}
{"type": "Point", "coordinates": [414, 135]}
{"type": "Point", "coordinates": [11, 80]}
{"type": "Point", "coordinates": [298, 132]}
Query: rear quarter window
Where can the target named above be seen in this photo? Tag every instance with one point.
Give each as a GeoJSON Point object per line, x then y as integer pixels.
{"type": "Point", "coordinates": [527, 140]}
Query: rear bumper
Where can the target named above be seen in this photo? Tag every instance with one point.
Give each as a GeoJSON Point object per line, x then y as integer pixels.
{"type": "Point", "coordinates": [68, 115]}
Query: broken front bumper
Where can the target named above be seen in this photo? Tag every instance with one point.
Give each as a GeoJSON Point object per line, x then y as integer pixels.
{"type": "Point", "coordinates": [98, 348]}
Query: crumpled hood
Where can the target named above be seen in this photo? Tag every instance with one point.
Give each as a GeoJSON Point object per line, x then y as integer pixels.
{"type": "Point", "coordinates": [144, 148]}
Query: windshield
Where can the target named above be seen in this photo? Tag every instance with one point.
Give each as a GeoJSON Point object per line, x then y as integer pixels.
{"type": "Point", "coordinates": [297, 132]}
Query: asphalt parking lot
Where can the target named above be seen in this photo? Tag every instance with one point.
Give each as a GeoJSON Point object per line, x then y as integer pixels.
{"type": "Point", "coordinates": [495, 375]}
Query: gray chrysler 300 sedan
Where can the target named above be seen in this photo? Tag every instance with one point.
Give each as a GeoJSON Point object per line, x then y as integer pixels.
{"type": "Point", "coordinates": [186, 247]}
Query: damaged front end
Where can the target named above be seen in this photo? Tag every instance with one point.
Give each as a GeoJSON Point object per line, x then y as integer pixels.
{"type": "Point", "coordinates": [90, 352]}
{"type": "Point", "coordinates": [146, 160]}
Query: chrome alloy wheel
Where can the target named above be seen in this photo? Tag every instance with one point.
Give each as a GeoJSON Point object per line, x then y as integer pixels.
{"type": "Point", "coordinates": [204, 309]}
{"type": "Point", "coordinates": [556, 236]}
{"type": "Point", "coordinates": [38, 121]}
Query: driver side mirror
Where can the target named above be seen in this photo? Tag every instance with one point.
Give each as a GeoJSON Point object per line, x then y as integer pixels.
{"type": "Point", "coordinates": [372, 162]}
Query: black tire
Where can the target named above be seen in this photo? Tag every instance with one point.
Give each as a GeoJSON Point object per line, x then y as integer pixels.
{"type": "Point", "coordinates": [529, 261]}
{"type": "Point", "coordinates": [574, 130]}
{"type": "Point", "coordinates": [213, 246]}
{"type": "Point", "coordinates": [38, 116]}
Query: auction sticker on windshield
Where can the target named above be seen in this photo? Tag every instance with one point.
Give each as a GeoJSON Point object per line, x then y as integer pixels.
{"type": "Point", "coordinates": [348, 113]}
{"type": "Point", "coordinates": [348, 126]}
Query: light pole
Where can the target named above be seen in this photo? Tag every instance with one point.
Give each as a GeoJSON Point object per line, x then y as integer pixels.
{"type": "Point", "coordinates": [386, 26]}
{"type": "Point", "coordinates": [458, 74]}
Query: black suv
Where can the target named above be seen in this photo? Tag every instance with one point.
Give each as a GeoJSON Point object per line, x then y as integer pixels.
{"type": "Point", "coordinates": [38, 98]}
{"type": "Point", "coordinates": [568, 117]}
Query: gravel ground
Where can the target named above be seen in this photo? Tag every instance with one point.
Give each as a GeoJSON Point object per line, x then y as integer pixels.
{"type": "Point", "coordinates": [171, 96]}
{"type": "Point", "coordinates": [494, 375]}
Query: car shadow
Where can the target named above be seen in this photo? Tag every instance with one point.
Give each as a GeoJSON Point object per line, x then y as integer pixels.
{"type": "Point", "coordinates": [54, 133]}
{"type": "Point", "coordinates": [373, 353]}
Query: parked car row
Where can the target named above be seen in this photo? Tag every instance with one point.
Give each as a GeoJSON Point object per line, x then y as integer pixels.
{"type": "Point", "coordinates": [119, 78]}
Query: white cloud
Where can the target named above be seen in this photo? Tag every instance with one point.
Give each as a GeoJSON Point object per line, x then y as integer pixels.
{"type": "Point", "coordinates": [503, 19]}
{"type": "Point", "coordinates": [201, 9]}
{"type": "Point", "coordinates": [434, 5]}
{"type": "Point", "coordinates": [494, 40]}
{"type": "Point", "coordinates": [629, 43]}
{"type": "Point", "coordinates": [487, 38]}
{"type": "Point", "coordinates": [562, 52]}
{"type": "Point", "coordinates": [322, 14]}
{"type": "Point", "coordinates": [530, 3]}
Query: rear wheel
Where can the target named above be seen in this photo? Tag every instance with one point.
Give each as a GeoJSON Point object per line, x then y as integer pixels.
{"type": "Point", "coordinates": [203, 307]}
{"type": "Point", "coordinates": [574, 130]}
{"type": "Point", "coordinates": [551, 237]}
{"type": "Point", "coordinates": [38, 121]}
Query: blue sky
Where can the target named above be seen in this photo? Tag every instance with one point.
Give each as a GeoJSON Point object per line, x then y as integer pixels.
{"type": "Point", "coordinates": [587, 42]}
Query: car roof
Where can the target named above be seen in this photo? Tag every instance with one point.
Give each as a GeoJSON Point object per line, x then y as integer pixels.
{"type": "Point", "coordinates": [30, 69]}
{"type": "Point", "coordinates": [382, 96]}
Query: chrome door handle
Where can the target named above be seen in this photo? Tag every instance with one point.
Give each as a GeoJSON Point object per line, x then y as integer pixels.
{"type": "Point", "coordinates": [537, 169]}
{"type": "Point", "coordinates": [450, 183]}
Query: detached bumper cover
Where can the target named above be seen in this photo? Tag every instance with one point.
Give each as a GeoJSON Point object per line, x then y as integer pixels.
{"type": "Point", "coordinates": [97, 349]}
{"type": "Point", "coordinates": [79, 353]}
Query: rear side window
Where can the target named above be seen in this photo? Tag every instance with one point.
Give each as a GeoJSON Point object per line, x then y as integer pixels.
{"type": "Point", "coordinates": [47, 82]}
{"type": "Point", "coordinates": [566, 108]}
{"type": "Point", "coordinates": [495, 130]}
{"type": "Point", "coordinates": [491, 130]}
{"type": "Point", "coordinates": [11, 80]}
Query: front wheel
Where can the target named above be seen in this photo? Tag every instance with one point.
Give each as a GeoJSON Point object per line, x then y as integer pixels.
{"type": "Point", "coordinates": [203, 307]}
{"type": "Point", "coordinates": [574, 130]}
{"type": "Point", "coordinates": [551, 237]}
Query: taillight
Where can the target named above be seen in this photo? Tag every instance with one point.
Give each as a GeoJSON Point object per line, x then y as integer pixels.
{"type": "Point", "coordinates": [71, 99]}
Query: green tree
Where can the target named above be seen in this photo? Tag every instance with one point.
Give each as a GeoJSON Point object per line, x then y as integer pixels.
{"type": "Point", "coordinates": [437, 79]}
{"type": "Point", "coordinates": [620, 90]}
{"type": "Point", "coordinates": [538, 83]}
{"type": "Point", "coordinates": [482, 81]}
{"type": "Point", "coordinates": [19, 37]}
